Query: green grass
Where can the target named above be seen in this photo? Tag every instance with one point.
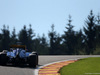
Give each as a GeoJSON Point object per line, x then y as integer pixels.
{"type": "Point", "coordinates": [87, 66]}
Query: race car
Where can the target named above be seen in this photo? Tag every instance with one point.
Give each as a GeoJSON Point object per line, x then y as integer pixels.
{"type": "Point", "coordinates": [18, 55]}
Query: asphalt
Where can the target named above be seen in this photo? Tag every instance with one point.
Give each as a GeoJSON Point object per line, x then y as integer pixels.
{"type": "Point", "coordinates": [11, 70]}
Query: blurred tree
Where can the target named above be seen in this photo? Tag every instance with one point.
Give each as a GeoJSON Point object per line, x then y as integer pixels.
{"type": "Point", "coordinates": [44, 41]}
{"type": "Point", "coordinates": [98, 30]}
{"type": "Point", "coordinates": [23, 36]}
{"type": "Point", "coordinates": [58, 45]}
{"type": "Point", "coordinates": [13, 39]}
{"type": "Point", "coordinates": [69, 38]}
{"type": "Point", "coordinates": [40, 45]}
{"type": "Point", "coordinates": [79, 42]}
{"type": "Point", "coordinates": [30, 34]}
{"type": "Point", "coordinates": [0, 42]}
{"type": "Point", "coordinates": [52, 36]}
{"type": "Point", "coordinates": [44, 45]}
{"type": "Point", "coordinates": [90, 33]}
{"type": "Point", "coordinates": [5, 41]}
{"type": "Point", "coordinates": [0, 36]}
{"type": "Point", "coordinates": [98, 19]}
{"type": "Point", "coordinates": [26, 37]}
{"type": "Point", "coordinates": [36, 45]}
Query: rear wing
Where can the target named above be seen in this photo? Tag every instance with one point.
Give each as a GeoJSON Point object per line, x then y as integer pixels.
{"type": "Point", "coordinates": [18, 46]}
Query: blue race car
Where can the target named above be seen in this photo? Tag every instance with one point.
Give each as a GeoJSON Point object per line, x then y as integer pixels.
{"type": "Point", "coordinates": [18, 55]}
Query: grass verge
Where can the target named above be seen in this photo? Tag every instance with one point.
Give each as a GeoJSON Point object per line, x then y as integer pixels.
{"type": "Point", "coordinates": [86, 66]}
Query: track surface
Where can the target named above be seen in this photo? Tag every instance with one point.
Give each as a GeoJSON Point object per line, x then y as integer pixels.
{"type": "Point", "coordinates": [10, 70]}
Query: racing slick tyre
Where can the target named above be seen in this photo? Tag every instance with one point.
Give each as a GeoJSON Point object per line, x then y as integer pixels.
{"type": "Point", "coordinates": [32, 60]}
{"type": "Point", "coordinates": [3, 59]}
{"type": "Point", "coordinates": [36, 57]}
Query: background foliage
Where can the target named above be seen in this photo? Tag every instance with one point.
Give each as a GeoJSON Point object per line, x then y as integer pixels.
{"type": "Point", "coordinates": [84, 41]}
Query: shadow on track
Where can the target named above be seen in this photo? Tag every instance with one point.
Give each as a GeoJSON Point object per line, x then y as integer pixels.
{"type": "Point", "coordinates": [20, 66]}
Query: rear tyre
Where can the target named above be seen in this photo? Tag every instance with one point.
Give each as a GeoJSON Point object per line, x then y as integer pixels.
{"type": "Point", "coordinates": [36, 59]}
{"type": "Point", "coordinates": [3, 59]}
{"type": "Point", "coordinates": [32, 60]}
{"type": "Point", "coordinates": [35, 53]}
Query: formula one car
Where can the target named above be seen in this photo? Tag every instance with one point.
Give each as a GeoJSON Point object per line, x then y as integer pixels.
{"type": "Point", "coordinates": [18, 55]}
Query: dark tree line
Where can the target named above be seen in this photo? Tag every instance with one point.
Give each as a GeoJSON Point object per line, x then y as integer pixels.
{"type": "Point", "coordinates": [84, 41]}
